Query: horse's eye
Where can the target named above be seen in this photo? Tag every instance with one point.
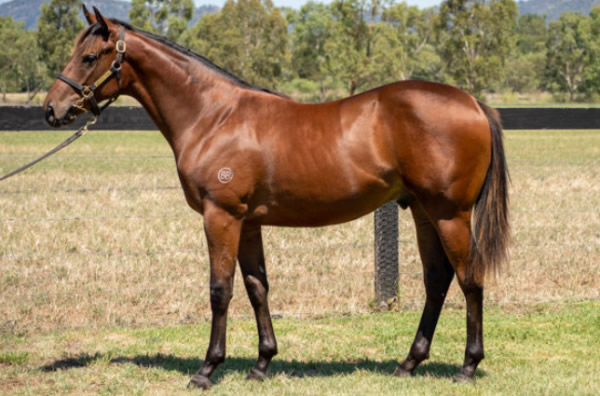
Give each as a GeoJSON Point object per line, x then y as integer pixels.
{"type": "Point", "coordinates": [90, 59]}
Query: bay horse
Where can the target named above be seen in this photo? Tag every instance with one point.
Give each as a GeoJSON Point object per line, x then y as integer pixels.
{"type": "Point", "coordinates": [248, 157]}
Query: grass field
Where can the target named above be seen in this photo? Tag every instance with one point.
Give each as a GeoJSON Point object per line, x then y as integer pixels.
{"type": "Point", "coordinates": [542, 353]}
{"type": "Point", "coordinates": [103, 282]}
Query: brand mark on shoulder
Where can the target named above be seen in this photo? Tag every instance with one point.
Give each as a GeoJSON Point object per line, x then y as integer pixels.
{"type": "Point", "coordinates": [225, 175]}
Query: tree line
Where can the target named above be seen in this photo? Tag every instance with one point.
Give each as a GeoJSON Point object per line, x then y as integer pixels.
{"type": "Point", "coordinates": [323, 51]}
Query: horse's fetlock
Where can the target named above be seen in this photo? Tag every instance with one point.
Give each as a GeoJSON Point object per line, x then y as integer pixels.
{"type": "Point", "coordinates": [420, 350]}
{"type": "Point", "coordinates": [268, 348]}
{"type": "Point", "coordinates": [216, 356]}
{"type": "Point", "coordinates": [474, 353]}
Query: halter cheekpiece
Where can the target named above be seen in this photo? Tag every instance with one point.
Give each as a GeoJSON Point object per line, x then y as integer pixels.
{"type": "Point", "coordinates": [87, 91]}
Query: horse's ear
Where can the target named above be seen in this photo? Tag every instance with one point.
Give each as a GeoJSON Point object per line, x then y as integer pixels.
{"type": "Point", "coordinates": [104, 25]}
{"type": "Point", "coordinates": [88, 16]}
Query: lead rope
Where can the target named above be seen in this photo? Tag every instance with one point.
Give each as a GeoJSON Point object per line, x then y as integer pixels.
{"type": "Point", "coordinates": [80, 132]}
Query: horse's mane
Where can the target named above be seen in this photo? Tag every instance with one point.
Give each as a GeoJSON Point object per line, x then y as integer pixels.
{"type": "Point", "coordinates": [192, 54]}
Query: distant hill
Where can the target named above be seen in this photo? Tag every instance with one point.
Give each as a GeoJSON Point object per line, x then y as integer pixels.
{"type": "Point", "coordinates": [553, 8]}
{"type": "Point", "coordinates": [28, 11]}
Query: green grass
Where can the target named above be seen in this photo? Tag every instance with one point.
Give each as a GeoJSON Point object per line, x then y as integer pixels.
{"type": "Point", "coordinates": [14, 358]}
{"type": "Point", "coordinates": [548, 351]}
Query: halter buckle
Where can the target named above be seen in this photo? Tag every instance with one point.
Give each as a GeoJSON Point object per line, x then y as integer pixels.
{"type": "Point", "coordinates": [87, 92]}
{"type": "Point", "coordinates": [121, 46]}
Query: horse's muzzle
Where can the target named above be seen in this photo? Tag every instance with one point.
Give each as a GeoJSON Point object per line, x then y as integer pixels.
{"type": "Point", "coordinates": [55, 121]}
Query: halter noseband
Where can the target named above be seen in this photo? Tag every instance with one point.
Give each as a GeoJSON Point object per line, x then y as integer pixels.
{"type": "Point", "coordinates": [87, 91]}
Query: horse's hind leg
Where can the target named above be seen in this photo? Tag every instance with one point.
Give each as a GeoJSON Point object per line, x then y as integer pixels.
{"type": "Point", "coordinates": [252, 264]}
{"type": "Point", "coordinates": [455, 235]}
{"type": "Point", "coordinates": [437, 274]}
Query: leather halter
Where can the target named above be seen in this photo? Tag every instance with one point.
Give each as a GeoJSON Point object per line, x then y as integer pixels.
{"type": "Point", "coordinates": [87, 91]}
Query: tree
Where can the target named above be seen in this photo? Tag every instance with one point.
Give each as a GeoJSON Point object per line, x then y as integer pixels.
{"type": "Point", "coordinates": [531, 33]}
{"type": "Point", "coordinates": [592, 73]}
{"type": "Point", "coordinates": [168, 18]}
{"type": "Point", "coordinates": [569, 53]}
{"type": "Point", "coordinates": [13, 38]}
{"type": "Point", "coordinates": [524, 72]}
{"type": "Point", "coordinates": [29, 72]}
{"type": "Point", "coordinates": [475, 37]}
{"type": "Point", "coordinates": [9, 35]}
{"type": "Point", "coordinates": [312, 28]}
{"type": "Point", "coordinates": [351, 48]}
{"type": "Point", "coordinates": [247, 38]}
{"type": "Point", "coordinates": [404, 43]}
{"type": "Point", "coordinates": [525, 67]}
{"type": "Point", "coordinates": [57, 28]}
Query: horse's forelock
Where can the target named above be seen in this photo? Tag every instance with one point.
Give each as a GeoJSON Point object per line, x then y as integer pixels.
{"type": "Point", "coordinates": [82, 36]}
{"type": "Point", "coordinates": [91, 30]}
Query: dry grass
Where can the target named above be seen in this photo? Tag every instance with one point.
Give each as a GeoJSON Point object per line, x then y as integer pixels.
{"type": "Point", "coordinates": [100, 236]}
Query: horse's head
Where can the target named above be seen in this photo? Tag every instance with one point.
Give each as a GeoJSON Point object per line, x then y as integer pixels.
{"type": "Point", "coordinates": [92, 75]}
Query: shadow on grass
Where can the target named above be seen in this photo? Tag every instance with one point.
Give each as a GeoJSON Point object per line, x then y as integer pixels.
{"type": "Point", "coordinates": [71, 362]}
{"type": "Point", "coordinates": [290, 368]}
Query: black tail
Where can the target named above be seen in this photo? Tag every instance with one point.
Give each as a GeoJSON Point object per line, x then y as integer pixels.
{"type": "Point", "coordinates": [490, 221]}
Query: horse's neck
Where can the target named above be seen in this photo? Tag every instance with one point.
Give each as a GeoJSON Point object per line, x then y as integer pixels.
{"type": "Point", "coordinates": [179, 93]}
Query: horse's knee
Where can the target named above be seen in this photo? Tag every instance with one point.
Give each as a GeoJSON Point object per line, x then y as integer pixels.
{"type": "Point", "coordinates": [220, 295]}
{"type": "Point", "coordinates": [257, 290]}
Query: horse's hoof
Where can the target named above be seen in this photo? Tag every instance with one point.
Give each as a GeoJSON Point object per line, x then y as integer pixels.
{"type": "Point", "coordinates": [199, 381]}
{"type": "Point", "coordinates": [400, 372]}
{"type": "Point", "coordinates": [256, 375]}
{"type": "Point", "coordinates": [462, 378]}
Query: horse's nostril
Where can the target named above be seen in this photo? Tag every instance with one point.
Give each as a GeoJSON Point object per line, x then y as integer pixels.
{"type": "Point", "coordinates": [50, 114]}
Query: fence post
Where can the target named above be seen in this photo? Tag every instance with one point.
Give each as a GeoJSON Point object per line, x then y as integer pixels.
{"type": "Point", "coordinates": [386, 254]}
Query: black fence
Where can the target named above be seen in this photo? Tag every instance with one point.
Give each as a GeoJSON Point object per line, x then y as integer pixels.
{"type": "Point", "coordinates": [17, 118]}
{"type": "Point", "coordinates": [121, 118]}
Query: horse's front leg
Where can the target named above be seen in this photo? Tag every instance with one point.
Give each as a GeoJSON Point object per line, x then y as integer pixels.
{"type": "Point", "coordinates": [252, 263]}
{"type": "Point", "coordinates": [222, 235]}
